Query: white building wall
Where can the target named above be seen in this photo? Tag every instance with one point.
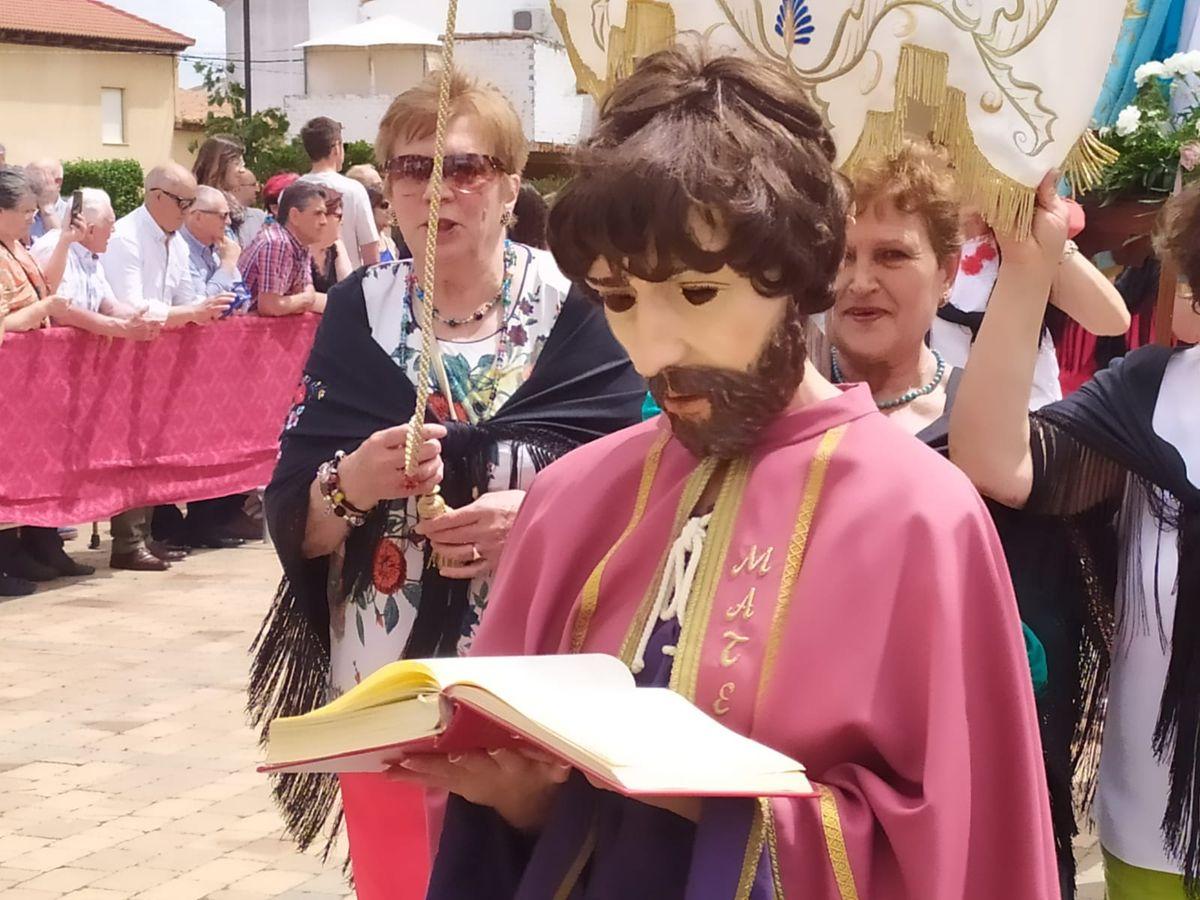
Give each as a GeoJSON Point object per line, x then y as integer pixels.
{"type": "Point", "coordinates": [508, 64]}
{"type": "Point", "coordinates": [325, 16]}
{"type": "Point", "coordinates": [276, 27]}
{"type": "Point", "coordinates": [474, 16]}
{"type": "Point", "coordinates": [359, 115]}
{"type": "Point", "coordinates": [536, 76]}
{"type": "Point", "coordinates": [562, 115]}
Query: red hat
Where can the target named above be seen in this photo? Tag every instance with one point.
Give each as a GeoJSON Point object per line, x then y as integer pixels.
{"type": "Point", "coordinates": [276, 185]}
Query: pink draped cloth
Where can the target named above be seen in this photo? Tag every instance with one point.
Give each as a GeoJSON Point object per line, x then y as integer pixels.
{"type": "Point", "coordinates": [892, 665]}
{"type": "Point", "coordinates": [389, 842]}
{"type": "Point", "coordinates": [91, 427]}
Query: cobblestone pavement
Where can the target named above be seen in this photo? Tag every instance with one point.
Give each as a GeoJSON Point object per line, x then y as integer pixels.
{"type": "Point", "coordinates": [126, 766]}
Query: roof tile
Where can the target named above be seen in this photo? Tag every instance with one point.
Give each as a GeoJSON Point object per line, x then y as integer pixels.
{"type": "Point", "coordinates": [86, 19]}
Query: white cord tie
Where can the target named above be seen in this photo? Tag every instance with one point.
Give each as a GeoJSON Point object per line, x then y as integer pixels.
{"type": "Point", "coordinates": [680, 572]}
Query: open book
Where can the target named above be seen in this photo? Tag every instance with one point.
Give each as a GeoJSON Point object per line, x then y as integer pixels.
{"type": "Point", "coordinates": [583, 709]}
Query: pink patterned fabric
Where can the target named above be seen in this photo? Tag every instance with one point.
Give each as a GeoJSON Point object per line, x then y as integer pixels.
{"type": "Point", "coordinates": [92, 427]}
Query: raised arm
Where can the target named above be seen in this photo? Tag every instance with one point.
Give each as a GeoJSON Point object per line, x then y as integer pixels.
{"type": "Point", "coordinates": [1087, 296]}
{"type": "Point", "coordinates": [54, 263]}
{"type": "Point", "coordinates": [989, 424]}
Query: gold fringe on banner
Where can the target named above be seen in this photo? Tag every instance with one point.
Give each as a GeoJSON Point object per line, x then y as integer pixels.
{"type": "Point", "coordinates": [1085, 164]}
{"type": "Point", "coordinates": [1005, 203]}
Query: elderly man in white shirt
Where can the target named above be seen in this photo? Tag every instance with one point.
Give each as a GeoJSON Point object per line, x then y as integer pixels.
{"type": "Point", "coordinates": [147, 258]}
{"type": "Point", "coordinates": [147, 266]}
{"type": "Point", "coordinates": [70, 261]}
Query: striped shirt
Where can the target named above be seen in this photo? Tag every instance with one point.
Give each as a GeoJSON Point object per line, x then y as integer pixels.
{"type": "Point", "coordinates": [275, 263]}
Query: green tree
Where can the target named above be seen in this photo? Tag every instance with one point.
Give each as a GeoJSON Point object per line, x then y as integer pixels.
{"type": "Point", "coordinates": [263, 133]}
{"type": "Point", "coordinates": [121, 178]}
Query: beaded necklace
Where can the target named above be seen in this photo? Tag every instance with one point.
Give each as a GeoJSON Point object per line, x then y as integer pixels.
{"type": "Point", "coordinates": [484, 398]}
{"type": "Point", "coordinates": [908, 396]}
{"type": "Point", "coordinates": [510, 263]}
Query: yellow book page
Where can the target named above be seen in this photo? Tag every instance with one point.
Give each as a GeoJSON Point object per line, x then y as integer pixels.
{"type": "Point", "coordinates": [412, 677]}
{"type": "Point", "coordinates": [395, 681]}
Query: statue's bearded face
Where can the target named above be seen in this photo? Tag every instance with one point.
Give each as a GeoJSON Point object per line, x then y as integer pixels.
{"type": "Point", "coordinates": [722, 360]}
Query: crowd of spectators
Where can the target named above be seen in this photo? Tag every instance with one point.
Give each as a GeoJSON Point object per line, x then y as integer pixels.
{"type": "Point", "coordinates": [206, 244]}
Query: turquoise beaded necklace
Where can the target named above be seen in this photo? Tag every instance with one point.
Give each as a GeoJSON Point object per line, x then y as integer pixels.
{"type": "Point", "coordinates": [908, 396]}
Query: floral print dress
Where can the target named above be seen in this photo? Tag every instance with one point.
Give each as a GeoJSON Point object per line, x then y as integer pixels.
{"type": "Point", "coordinates": [370, 628]}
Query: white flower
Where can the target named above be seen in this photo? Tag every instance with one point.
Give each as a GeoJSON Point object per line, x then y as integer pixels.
{"type": "Point", "coordinates": [1146, 71]}
{"type": "Point", "coordinates": [1182, 63]}
{"type": "Point", "coordinates": [1128, 120]}
{"type": "Point", "coordinates": [1105, 131]}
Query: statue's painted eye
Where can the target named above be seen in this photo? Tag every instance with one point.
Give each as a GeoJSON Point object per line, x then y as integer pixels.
{"type": "Point", "coordinates": [619, 301]}
{"type": "Point", "coordinates": [699, 294]}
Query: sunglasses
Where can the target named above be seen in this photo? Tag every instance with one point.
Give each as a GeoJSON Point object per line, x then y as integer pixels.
{"type": "Point", "coordinates": [465, 173]}
{"type": "Point", "coordinates": [228, 217]}
{"type": "Point", "coordinates": [333, 210]}
{"type": "Point", "coordinates": [182, 202]}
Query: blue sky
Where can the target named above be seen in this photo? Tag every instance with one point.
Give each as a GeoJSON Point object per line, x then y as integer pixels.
{"type": "Point", "coordinates": [199, 19]}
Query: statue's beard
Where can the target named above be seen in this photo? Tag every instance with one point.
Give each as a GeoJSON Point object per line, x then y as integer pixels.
{"type": "Point", "coordinates": [720, 412]}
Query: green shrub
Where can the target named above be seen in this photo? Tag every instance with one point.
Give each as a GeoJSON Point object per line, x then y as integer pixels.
{"type": "Point", "coordinates": [548, 185]}
{"type": "Point", "coordinates": [360, 153]}
{"type": "Point", "coordinates": [282, 157]}
{"type": "Point", "coordinates": [121, 178]}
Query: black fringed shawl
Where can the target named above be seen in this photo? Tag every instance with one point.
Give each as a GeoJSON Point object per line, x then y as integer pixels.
{"type": "Point", "coordinates": [1105, 432]}
{"type": "Point", "coordinates": [582, 387]}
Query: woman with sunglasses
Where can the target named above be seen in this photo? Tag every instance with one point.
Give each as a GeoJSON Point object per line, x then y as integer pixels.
{"type": "Point", "coordinates": [382, 209]}
{"type": "Point", "coordinates": [530, 372]}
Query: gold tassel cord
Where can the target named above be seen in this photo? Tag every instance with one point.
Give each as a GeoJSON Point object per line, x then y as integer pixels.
{"type": "Point", "coordinates": [432, 504]}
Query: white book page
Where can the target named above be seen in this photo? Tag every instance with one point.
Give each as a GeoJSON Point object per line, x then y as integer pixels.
{"type": "Point", "coordinates": [561, 674]}
{"type": "Point", "coordinates": [646, 728]}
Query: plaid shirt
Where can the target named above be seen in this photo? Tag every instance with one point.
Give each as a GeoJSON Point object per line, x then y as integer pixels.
{"type": "Point", "coordinates": [275, 263]}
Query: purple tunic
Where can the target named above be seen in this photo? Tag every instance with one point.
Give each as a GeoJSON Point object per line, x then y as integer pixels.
{"type": "Point", "coordinates": [640, 850]}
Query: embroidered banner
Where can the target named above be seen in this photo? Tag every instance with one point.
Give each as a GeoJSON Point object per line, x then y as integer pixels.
{"type": "Point", "coordinates": [91, 427]}
{"type": "Point", "coordinates": [991, 80]}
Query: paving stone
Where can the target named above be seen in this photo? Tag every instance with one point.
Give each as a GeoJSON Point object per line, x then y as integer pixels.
{"type": "Point", "coordinates": [131, 881]}
{"type": "Point", "coordinates": [62, 880]}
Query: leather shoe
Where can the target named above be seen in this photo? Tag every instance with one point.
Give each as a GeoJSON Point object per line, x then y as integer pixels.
{"type": "Point", "coordinates": [245, 527]}
{"type": "Point", "coordinates": [139, 560]}
{"type": "Point", "coordinates": [210, 541]}
{"type": "Point", "coordinates": [165, 551]}
{"type": "Point", "coordinates": [21, 564]}
{"type": "Point", "coordinates": [15, 587]}
{"type": "Point", "coordinates": [46, 546]}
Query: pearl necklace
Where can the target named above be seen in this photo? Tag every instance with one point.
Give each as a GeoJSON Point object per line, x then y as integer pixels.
{"type": "Point", "coordinates": [510, 263]}
{"type": "Point", "coordinates": [908, 396]}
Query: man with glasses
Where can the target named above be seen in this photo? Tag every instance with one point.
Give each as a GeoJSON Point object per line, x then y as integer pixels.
{"type": "Point", "coordinates": [147, 258]}
{"type": "Point", "coordinates": [212, 254]}
{"type": "Point", "coordinates": [147, 266]}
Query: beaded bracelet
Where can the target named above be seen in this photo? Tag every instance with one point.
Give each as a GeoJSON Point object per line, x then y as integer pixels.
{"type": "Point", "coordinates": [335, 498]}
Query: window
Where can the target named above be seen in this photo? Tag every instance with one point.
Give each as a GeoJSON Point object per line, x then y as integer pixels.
{"type": "Point", "coordinates": [112, 115]}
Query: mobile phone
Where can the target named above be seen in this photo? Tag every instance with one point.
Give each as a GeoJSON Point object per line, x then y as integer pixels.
{"type": "Point", "coordinates": [76, 206]}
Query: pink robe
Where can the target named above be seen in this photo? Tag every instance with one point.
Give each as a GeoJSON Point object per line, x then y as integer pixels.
{"type": "Point", "coordinates": [853, 610]}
